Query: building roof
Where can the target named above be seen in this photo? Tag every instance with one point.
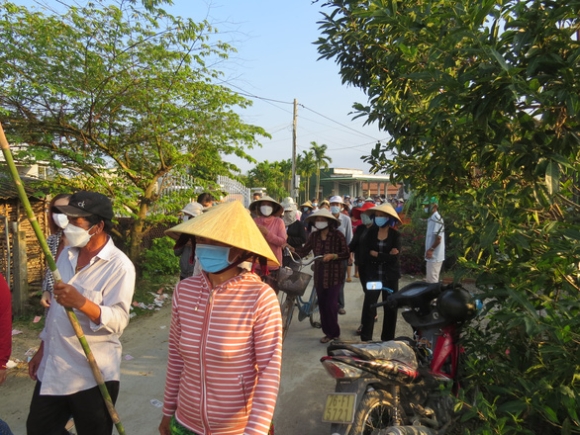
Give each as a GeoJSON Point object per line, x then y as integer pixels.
{"type": "Point", "coordinates": [358, 177]}
{"type": "Point", "coordinates": [8, 188]}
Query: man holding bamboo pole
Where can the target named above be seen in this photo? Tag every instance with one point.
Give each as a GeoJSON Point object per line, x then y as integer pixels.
{"type": "Point", "coordinates": [98, 282]}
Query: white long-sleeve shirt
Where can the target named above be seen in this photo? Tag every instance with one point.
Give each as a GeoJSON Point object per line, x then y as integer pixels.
{"type": "Point", "coordinates": [345, 227]}
{"type": "Point", "coordinates": [108, 281]}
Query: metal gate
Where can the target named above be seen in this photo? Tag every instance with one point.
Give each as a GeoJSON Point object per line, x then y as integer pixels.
{"type": "Point", "coordinates": [235, 190]}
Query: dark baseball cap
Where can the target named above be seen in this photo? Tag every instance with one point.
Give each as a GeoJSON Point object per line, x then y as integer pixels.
{"type": "Point", "coordinates": [83, 203]}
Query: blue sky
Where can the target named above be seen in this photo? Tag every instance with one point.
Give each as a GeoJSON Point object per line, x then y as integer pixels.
{"type": "Point", "coordinates": [277, 60]}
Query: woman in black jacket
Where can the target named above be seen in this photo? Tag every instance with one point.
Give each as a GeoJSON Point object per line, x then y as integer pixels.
{"type": "Point", "coordinates": [357, 246]}
{"type": "Point", "coordinates": [295, 230]}
{"type": "Point", "coordinates": [381, 248]}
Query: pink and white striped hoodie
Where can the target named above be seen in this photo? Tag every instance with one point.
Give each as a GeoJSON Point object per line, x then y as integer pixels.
{"type": "Point", "coordinates": [225, 354]}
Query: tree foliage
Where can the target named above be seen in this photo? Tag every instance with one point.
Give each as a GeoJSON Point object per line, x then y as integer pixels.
{"type": "Point", "coordinates": [274, 176]}
{"type": "Point", "coordinates": [118, 96]}
{"type": "Point", "coordinates": [306, 168]}
{"type": "Point", "coordinates": [321, 160]}
{"type": "Point", "coordinates": [480, 99]}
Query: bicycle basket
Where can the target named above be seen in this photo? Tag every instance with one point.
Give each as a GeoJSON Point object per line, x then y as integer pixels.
{"type": "Point", "coordinates": [293, 283]}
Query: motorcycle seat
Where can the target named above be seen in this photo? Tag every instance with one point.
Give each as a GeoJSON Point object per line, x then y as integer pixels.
{"type": "Point", "coordinates": [380, 350]}
{"type": "Point", "coordinates": [416, 295]}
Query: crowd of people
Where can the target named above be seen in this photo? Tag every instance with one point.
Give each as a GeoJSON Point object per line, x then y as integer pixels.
{"type": "Point", "coordinates": [225, 338]}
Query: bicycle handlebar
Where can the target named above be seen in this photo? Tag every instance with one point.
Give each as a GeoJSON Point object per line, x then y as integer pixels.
{"type": "Point", "coordinates": [300, 261]}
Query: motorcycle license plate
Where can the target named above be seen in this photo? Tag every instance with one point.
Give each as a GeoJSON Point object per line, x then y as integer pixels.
{"type": "Point", "coordinates": [339, 408]}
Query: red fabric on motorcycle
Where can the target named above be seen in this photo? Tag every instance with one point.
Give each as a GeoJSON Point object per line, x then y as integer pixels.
{"type": "Point", "coordinates": [444, 349]}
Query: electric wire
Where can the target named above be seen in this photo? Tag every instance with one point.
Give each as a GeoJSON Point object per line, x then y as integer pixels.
{"type": "Point", "coordinates": [271, 100]}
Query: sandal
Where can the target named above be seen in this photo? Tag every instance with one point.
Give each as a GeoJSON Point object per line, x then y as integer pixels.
{"type": "Point", "coordinates": [359, 330]}
{"type": "Point", "coordinates": [325, 339]}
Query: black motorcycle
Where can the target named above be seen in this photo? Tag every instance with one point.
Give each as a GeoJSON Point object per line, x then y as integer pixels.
{"type": "Point", "coordinates": [395, 387]}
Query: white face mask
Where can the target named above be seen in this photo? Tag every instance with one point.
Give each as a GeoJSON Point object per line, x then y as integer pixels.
{"type": "Point", "coordinates": [60, 219]}
{"type": "Point", "coordinates": [321, 225]}
{"type": "Point", "coordinates": [77, 237]}
{"type": "Point", "coordinates": [266, 210]}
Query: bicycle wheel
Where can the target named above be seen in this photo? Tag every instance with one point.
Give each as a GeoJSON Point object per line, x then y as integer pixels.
{"type": "Point", "coordinates": [287, 310]}
{"type": "Point", "coordinates": [315, 311]}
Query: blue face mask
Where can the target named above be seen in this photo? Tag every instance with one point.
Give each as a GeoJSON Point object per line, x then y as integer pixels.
{"type": "Point", "coordinates": [213, 258]}
{"type": "Point", "coordinates": [381, 221]}
{"type": "Point", "coordinates": [335, 209]}
{"type": "Point", "coordinates": [366, 220]}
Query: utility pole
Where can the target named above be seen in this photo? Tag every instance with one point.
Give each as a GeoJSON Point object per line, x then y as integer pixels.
{"type": "Point", "coordinates": [293, 183]}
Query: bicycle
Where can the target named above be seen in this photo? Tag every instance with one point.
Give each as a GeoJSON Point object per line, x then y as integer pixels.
{"type": "Point", "coordinates": [292, 285]}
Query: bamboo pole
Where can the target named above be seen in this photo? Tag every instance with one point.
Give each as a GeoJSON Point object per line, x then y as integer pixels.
{"type": "Point", "coordinates": [52, 266]}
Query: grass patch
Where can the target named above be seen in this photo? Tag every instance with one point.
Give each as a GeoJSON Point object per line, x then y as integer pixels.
{"type": "Point", "coordinates": [26, 321]}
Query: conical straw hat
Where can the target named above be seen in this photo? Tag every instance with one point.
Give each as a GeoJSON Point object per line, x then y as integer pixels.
{"type": "Point", "coordinates": [322, 213]}
{"type": "Point", "coordinates": [229, 223]}
{"type": "Point", "coordinates": [254, 205]}
{"type": "Point", "coordinates": [385, 208]}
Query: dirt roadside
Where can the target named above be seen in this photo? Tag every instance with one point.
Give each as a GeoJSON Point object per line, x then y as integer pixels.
{"type": "Point", "coordinates": [303, 389]}
{"type": "Point", "coordinates": [142, 375]}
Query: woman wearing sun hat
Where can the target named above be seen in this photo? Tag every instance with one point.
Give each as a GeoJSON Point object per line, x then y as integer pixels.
{"type": "Point", "coordinates": [267, 213]}
{"type": "Point", "coordinates": [329, 272]}
{"type": "Point", "coordinates": [380, 250]}
{"type": "Point", "coordinates": [225, 340]}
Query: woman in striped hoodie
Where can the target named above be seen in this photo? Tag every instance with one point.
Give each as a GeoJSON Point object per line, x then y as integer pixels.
{"type": "Point", "coordinates": [225, 340]}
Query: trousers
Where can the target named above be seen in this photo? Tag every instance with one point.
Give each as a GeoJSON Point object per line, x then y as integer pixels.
{"type": "Point", "coordinates": [369, 313]}
{"type": "Point", "coordinates": [341, 302]}
{"type": "Point", "coordinates": [433, 271]}
{"type": "Point", "coordinates": [49, 414]}
{"type": "Point", "coordinates": [328, 306]}
{"type": "Point", "coordinates": [362, 274]}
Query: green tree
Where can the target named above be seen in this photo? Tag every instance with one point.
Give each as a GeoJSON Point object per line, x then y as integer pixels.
{"type": "Point", "coordinates": [480, 99]}
{"type": "Point", "coordinates": [306, 167]}
{"type": "Point", "coordinates": [286, 169]}
{"type": "Point", "coordinates": [118, 98]}
{"type": "Point", "coordinates": [271, 175]}
{"type": "Point", "coordinates": [322, 160]}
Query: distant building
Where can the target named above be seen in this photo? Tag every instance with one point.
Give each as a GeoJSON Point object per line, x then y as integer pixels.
{"type": "Point", "coordinates": [353, 182]}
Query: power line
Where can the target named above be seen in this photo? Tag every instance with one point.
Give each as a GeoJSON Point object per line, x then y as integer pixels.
{"type": "Point", "coordinates": [269, 100]}
{"type": "Point", "coordinates": [247, 94]}
{"type": "Point", "coordinates": [359, 146]}
{"type": "Point", "coordinates": [336, 122]}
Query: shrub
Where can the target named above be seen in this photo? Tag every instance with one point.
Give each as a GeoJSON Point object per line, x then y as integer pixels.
{"type": "Point", "coordinates": [159, 259]}
{"type": "Point", "coordinates": [412, 257]}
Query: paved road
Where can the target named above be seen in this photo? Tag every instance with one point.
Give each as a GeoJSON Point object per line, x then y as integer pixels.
{"type": "Point", "coordinates": [304, 385]}
{"type": "Point", "coordinates": [305, 382]}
